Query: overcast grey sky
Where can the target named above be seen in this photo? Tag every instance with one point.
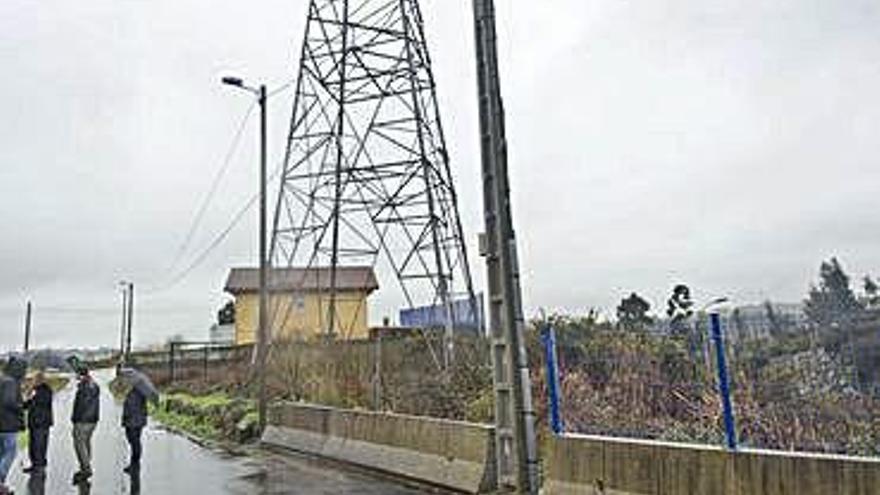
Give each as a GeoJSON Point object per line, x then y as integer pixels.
{"type": "Point", "coordinates": [731, 145]}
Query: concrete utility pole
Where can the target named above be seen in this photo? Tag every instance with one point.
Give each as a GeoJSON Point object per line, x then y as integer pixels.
{"type": "Point", "coordinates": [27, 328]}
{"type": "Point", "coordinates": [264, 267]}
{"type": "Point", "coordinates": [123, 323]}
{"type": "Point", "coordinates": [262, 329]}
{"type": "Point", "coordinates": [516, 448]}
{"type": "Point", "coordinates": [130, 321]}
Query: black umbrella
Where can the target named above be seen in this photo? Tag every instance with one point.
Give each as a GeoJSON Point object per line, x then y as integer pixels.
{"type": "Point", "coordinates": [16, 368]}
{"type": "Point", "coordinates": [141, 382]}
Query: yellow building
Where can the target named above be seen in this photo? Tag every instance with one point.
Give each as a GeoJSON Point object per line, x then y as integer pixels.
{"type": "Point", "coordinates": [299, 302]}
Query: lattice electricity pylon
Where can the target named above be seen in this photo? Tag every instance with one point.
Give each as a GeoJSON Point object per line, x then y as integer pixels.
{"type": "Point", "coordinates": [366, 176]}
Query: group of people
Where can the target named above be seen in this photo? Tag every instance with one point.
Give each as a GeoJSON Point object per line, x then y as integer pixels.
{"type": "Point", "coordinates": [36, 406]}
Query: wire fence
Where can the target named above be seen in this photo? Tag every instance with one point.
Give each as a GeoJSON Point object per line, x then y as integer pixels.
{"type": "Point", "coordinates": [632, 384]}
{"type": "Point", "coordinates": [197, 362]}
{"type": "Point", "coordinates": [796, 388]}
{"type": "Point", "coordinates": [792, 387]}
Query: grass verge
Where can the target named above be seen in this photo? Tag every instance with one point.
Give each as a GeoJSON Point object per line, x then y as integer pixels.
{"type": "Point", "coordinates": [186, 423]}
{"type": "Point", "coordinates": [214, 417]}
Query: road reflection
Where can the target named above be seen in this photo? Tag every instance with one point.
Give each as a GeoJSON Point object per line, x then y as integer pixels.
{"type": "Point", "coordinates": [37, 484]}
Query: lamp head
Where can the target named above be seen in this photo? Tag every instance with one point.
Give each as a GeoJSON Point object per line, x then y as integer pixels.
{"type": "Point", "coordinates": [233, 81]}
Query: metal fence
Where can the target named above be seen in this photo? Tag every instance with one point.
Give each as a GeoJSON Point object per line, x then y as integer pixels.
{"type": "Point", "coordinates": [793, 388]}
{"type": "Point", "coordinates": [797, 389]}
{"type": "Point", "coordinates": [194, 360]}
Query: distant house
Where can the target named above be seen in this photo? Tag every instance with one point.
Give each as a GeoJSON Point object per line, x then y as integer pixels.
{"type": "Point", "coordinates": [222, 334]}
{"type": "Point", "coordinates": [299, 302]}
{"type": "Point", "coordinates": [761, 320]}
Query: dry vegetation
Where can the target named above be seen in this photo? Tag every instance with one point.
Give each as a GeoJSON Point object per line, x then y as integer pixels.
{"type": "Point", "coordinates": [790, 392]}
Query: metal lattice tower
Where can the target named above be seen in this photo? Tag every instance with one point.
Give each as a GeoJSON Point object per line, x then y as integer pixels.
{"type": "Point", "coordinates": [366, 177]}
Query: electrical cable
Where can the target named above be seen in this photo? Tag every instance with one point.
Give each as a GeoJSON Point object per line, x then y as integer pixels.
{"type": "Point", "coordinates": [203, 255]}
{"type": "Point", "coordinates": [200, 213]}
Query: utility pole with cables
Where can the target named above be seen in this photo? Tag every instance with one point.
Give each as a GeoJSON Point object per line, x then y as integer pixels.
{"type": "Point", "coordinates": [262, 325]}
{"type": "Point", "coordinates": [127, 356]}
{"type": "Point", "coordinates": [27, 327]}
{"type": "Point", "coordinates": [515, 441]}
{"type": "Point", "coordinates": [262, 343]}
{"type": "Point", "coordinates": [124, 322]}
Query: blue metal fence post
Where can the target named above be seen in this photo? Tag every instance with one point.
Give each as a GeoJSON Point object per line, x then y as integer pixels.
{"type": "Point", "coordinates": [723, 381]}
{"type": "Point", "coordinates": [548, 338]}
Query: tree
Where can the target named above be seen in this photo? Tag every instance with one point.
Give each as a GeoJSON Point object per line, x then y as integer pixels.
{"type": "Point", "coordinates": [872, 292]}
{"type": "Point", "coordinates": [226, 315]}
{"type": "Point", "coordinates": [833, 302]}
{"type": "Point", "coordinates": [773, 319]}
{"type": "Point", "coordinates": [679, 309]}
{"type": "Point", "coordinates": [632, 313]}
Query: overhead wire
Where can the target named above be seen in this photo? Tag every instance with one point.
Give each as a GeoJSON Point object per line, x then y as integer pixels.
{"type": "Point", "coordinates": [281, 88]}
{"type": "Point", "coordinates": [200, 213]}
{"type": "Point", "coordinates": [205, 253]}
{"type": "Point", "coordinates": [173, 280]}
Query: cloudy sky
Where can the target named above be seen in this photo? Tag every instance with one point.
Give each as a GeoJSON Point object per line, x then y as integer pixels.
{"type": "Point", "coordinates": [731, 145]}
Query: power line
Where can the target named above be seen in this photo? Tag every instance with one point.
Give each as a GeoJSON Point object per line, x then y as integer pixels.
{"type": "Point", "coordinates": [207, 251]}
{"type": "Point", "coordinates": [203, 256]}
{"type": "Point", "coordinates": [176, 279]}
{"type": "Point", "coordinates": [281, 88]}
{"type": "Point", "coordinates": [73, 311]}
{"type": "Point", "coordinates": [200, 213]}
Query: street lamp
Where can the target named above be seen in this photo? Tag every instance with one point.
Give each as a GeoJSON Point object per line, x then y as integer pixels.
{"type": "Point", "coordinates": [239, 83]}
{"type": "Point", "coordinates": [715, 302]}
{"type": "Point", "coordinates": [262, 337]}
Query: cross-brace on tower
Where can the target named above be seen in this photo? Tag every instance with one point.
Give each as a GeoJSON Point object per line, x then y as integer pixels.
{"type": "Point", "coordinates": [366, 176]}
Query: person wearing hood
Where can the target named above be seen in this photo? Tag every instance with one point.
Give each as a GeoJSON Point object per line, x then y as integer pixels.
{"type": "Point", "coordinates": [11, 416]}
{"type": "Point", "coordinates": [39, 421]}
{"type": "Point", "coordinates": [134, 419]}
{"type": "Point", "coordinates": [86, 410]}
{"type": "Point", "coordinates": [134, 413]}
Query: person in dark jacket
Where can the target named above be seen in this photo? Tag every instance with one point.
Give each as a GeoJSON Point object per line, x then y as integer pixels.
{"type": "Point", "coordinates": [11, 416]}
{"type": "Point", "coordinates": [86, 410]}
{"type": "Point", "coordinates": [39, 421]}
{"type": "Point", "coordinates": [134, 419]}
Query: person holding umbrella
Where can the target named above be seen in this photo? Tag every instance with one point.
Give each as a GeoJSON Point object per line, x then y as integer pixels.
{"type": "Point", "coordinates": [39, 421]}
{"type": "Point", "coordinates": [11, 416]}
{"type": "Point", "coordinates": [134, 413]}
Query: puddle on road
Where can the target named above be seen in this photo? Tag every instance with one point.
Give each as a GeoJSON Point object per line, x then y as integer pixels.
{"type": "Point", "coordinates": [173, 464]}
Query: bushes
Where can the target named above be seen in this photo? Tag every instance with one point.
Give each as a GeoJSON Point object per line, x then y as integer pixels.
{"type": "Point", "coordinates": [213, 417]}
{"type": "Point", "coordinates": [343, 374]}
{"type": "Point", "coordinates": [789, 393]}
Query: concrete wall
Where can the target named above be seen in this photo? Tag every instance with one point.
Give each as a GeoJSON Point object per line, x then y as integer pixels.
{"type": "Point", "coordinates": [460, 456]}
{"type": "Point", "coordinates": [601, 465]}
{"type": "Point", "coordinates": [449, 454]}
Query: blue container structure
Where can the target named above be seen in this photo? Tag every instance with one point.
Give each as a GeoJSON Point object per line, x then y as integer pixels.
{"type": "Point", "coordinates": [467, 316]}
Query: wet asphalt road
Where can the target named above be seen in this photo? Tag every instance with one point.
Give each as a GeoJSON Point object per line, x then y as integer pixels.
{"type": "Point", "coordinates": [174, 465]}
